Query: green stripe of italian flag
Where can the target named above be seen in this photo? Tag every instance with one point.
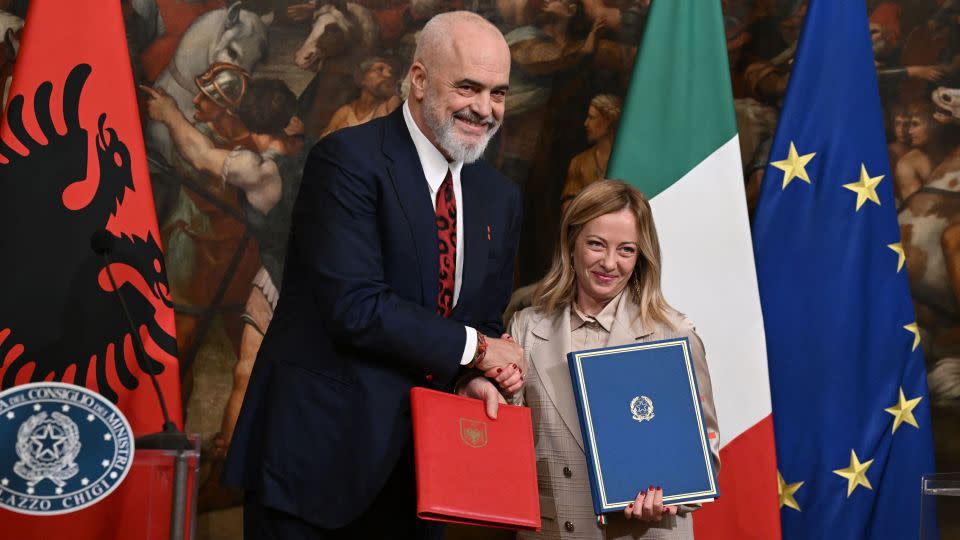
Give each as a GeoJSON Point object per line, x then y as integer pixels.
{"type": "Point", "coordinates": [677, 142]}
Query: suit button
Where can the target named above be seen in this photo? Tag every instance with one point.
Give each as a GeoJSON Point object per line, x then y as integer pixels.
{"type": "Point", "coordinates": [429, 377]}
{"type": "Point", "coordinates": [568, 526]}
{"type": "Point", "coordinates": [567, 472]}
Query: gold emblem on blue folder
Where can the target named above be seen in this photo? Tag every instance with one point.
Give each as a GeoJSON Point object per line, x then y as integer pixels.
{"type": "Point", "coordinates": [473, 433]}
{"type": "Point", "coordinates": [624, 365]}
{"type": "Point", "coordinates": [641, 407]}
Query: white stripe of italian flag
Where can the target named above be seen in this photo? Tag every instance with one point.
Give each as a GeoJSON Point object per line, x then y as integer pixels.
{"type": "Point", "coordinates": [678, 143]}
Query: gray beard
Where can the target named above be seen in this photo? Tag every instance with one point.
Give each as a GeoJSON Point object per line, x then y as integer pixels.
{"type": "Point", "coordinates": [444, 130]}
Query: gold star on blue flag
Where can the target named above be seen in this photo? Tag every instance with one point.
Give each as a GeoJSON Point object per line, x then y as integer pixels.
{"type": "Point", "coordinates": [794, 166]}
{"type": "Point", "coordinates": [901, 255]}
{"type": "Point", "coordinates": [835, 307]}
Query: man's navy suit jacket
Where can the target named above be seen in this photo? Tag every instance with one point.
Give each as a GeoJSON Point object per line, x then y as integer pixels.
{"type": "Point", "coordinates": [327, 413]}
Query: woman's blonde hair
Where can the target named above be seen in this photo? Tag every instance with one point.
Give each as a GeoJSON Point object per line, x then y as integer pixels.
{"type": "Point", "coordinates": [558, 288]}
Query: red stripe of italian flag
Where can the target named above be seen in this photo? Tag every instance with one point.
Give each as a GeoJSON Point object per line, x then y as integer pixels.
{"type": "Point", "coordinates": [677, 142]}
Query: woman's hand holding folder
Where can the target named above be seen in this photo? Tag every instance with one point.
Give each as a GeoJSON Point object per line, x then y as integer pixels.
{"type": "Point", "coordinates": [649, 506]}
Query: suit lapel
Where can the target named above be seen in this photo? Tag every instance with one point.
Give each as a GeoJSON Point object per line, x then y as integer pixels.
{"type": "Point", "coordinates": [550, 358]}
{"type": "Point", "coordinates": [410, 185]}
{"type": "Point", "coordinates": [476, 243]}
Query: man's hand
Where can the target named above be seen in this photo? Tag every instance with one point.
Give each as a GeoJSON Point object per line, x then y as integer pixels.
{"type": "Point", "coordinates": [482, 388]}
{"type": "Point", "coordinates": [501, 353]}
{"type": "Point", "coordinates": [160, 106]}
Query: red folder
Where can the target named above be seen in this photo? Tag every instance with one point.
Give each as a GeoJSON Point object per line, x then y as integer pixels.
{"type": "Point", "coordinates": [471, 469]}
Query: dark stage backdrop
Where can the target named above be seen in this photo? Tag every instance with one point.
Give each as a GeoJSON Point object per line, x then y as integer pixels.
{"type": "Point", "coordinates": [345, 60]}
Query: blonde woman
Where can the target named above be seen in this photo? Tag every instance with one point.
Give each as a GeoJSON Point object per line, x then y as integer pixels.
{"type": "Point", "coordinates": [602, 290]}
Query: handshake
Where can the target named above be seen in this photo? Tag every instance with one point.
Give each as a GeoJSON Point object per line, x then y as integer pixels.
{"type": "Point", "coordinates": [502, 363]}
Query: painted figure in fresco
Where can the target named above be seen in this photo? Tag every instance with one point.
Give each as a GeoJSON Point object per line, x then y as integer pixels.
{"type": "Point", "coordinates": [935, 46]}
{"type": "Point", "coordinates": [542, 53]}
{"type": "Point", "coordinates": [900, 145]}
{"type": "Point", "coordinates": [343, 35]}
{"type": "Point", "coordinates": [616, 18]}
{"type": "Point", "coordinates": [213, 258]}
{"type": "Point", "coordinates": [221, 90]}
{"type": "Point", "coordinates": [929, 147]}
{"type": "Point", "coordinates": [588, 166]}
{"type": "Point", "coordinates": [766, 79]}
{"type": "Point", "coordinates": [337, 27]}
{"type": "Point", "coordinates": [268, 176]}
{"type": "Point", "coordinates": [378, 96]}
{"type": "Point", "coordinates": [231, 35]}
{"type": "Point", "coordinates": [896, 70]}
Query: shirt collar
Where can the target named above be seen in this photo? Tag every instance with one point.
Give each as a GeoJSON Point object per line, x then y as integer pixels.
{"type": "Point", "coordinates": [605, 318]}
{"type": "Point", "coordinates": [434, 164]}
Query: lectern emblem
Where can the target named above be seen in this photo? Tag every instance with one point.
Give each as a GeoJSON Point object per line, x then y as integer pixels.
{"type": "Point", "coordinates": [473, 433]}
{"type": "Point", "coordinates": [641, 407]}
{"type": "Point", "coordinates": [47, 446]}
{"type": "Point", "coordinates": [62, 448]}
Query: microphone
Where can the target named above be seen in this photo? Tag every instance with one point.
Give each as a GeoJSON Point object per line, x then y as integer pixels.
{"type": "Point", "coordinates": [169, 438]}
{"type": "Point", "coordinates": [102, 242]}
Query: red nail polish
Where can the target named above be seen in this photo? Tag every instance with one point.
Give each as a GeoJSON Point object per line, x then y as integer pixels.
{"type": "Point", "coordinates": [650, 488]}
{"type": "Point", "coordinates": [630, 505]}
{"type": "Point", "coordinates": [659, 488]}
{"type": "Point", "coordinates": [499, 371]}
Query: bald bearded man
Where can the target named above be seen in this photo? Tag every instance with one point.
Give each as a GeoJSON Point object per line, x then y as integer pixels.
{"type": "Point", "coordinates": [399, 267]}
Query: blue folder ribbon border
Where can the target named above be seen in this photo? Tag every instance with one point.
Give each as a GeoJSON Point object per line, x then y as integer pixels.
{"type": "Point", "coordinates": [586, 419]}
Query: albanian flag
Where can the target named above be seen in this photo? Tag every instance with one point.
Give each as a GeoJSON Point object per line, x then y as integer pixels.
{"type": "Point", "coordinates": [72, 162]}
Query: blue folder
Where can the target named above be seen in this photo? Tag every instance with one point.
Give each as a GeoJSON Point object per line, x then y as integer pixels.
{"type": "Point", "coordinates": [642, 423]}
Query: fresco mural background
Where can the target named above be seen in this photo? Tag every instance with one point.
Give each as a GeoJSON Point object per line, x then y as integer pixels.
{"type": "Point", "coordinates": [316, 66]}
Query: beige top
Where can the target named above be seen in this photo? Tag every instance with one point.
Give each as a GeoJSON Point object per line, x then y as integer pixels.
{"type": "Point", "coordinates": [588, 332]}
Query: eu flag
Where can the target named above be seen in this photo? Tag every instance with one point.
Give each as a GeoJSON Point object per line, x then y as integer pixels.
{"type": "Point", "coordinates": [847, 377]}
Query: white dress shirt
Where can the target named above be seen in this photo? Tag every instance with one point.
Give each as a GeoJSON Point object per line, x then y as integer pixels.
{"type": "Point", "coordinates": [435, 167]}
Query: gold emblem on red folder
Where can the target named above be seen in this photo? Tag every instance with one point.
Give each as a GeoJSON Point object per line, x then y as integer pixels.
{"type": "Point", "coordinates": [473, 433]}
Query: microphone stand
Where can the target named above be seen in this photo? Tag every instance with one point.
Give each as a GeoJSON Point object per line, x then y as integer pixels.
{"type": "Point", "coordinates": [170, 438]}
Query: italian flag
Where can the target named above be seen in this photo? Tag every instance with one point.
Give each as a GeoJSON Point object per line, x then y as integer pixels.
{"type": "Point", "coordinates": [677, 142]}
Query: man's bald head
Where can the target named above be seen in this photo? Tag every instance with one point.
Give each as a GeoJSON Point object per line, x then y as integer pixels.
{"type": "Point", "coordinates": [451, 29]}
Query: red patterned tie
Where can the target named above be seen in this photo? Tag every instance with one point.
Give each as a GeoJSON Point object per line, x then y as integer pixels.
{"type": "Point", "coordinates": [447, 245]}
